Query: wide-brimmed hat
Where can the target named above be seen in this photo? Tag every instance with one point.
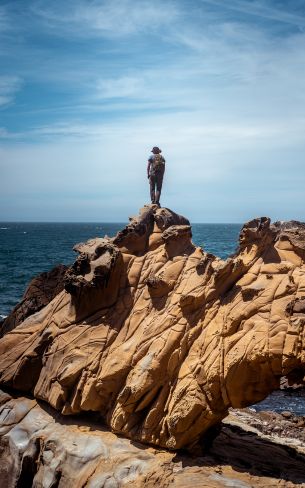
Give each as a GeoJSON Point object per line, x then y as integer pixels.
{"type": "Point", "coordinates": [156, 149]}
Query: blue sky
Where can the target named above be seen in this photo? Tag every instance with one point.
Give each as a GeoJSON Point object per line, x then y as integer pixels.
{"type": "Point", "coordinates": [88, 87]}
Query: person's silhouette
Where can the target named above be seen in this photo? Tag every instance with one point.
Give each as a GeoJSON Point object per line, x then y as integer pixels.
{"type": "Point", "coordinates": [155, 172]}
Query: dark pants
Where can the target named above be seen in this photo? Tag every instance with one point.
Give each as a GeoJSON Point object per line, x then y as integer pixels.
{"type": "Point", "coordinates": [155, 181]}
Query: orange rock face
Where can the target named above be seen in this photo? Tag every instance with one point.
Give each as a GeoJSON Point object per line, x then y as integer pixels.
{"type": "Point", "coordinates": [162, 338]}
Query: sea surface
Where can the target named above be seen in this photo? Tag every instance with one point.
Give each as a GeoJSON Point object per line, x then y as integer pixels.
{"type": "Point", "coordinates": [283, 400]}
{"type": "Point", "coordinates": [27, 249]}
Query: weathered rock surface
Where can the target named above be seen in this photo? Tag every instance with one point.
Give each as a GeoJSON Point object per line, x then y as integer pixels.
{"type": "Point", "coordinates": [161, 338]}
{"type": "Point", "coordinates": [41, 448]}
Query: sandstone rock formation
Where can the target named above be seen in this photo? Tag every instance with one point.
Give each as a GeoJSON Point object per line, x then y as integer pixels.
{"type": "Point", "coordinates": [161, 338]}
{"type": "Point", "coordinates": [40, 448]}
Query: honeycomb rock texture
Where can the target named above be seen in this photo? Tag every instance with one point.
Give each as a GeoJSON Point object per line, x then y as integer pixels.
{"type": "Point", "coordinates": [161, 338]}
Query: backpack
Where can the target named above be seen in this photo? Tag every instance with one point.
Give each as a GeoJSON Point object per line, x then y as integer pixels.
{"type": "Point", "coordinates": [158, 163]}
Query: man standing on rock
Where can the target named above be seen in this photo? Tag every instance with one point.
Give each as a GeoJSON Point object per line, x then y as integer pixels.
{"type": "Point", "coordinates": [155, 172]}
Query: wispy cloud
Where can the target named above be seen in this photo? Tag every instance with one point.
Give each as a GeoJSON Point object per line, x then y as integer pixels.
{"type": "Point", "coordinates": [218, 85]}
{"type": "Point", "coordinates": [126, 86]}
{"type": "Point", "coordinates": [263, 9]}
{"type": "Point", "coordinates": [4, 133]}
{"type": "Point", "coordinates": [215, 172]}
{"type": "Point", "coordinates": [9, 86]}
{"type": "Point", "coordinates": [4, 19]}
{"type": "Point", "coordinates": [103, 18]}
{"type": "Point", "coordinates": [182, 132]}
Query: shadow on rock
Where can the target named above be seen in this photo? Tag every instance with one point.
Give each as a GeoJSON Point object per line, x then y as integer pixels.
{"type": "Point", "coordinates": [249, 453]}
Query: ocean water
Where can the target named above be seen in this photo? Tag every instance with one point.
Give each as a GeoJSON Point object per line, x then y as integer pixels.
{"type": "Point", "coordinates": [282, 400]}
{"type": "Point", "coordinates": [27, 249]}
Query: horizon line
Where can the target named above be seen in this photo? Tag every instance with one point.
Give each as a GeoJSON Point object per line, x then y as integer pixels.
{"type": "Point", "coordinates": [95, 222]}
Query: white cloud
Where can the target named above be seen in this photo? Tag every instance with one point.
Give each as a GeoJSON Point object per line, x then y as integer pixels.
{"type": "Point", "coordinates": [9, 86]}
{"type": "Point", "coordinates": [260, 9]}
{"type": "Point", "coordinates": [4, 133]}
{"type": "Point", "coordinates": [103, 18]}
{"type": "Point", "coordinates": [126, 86]}
{"type": "Point", "coordinates": [188, 135]}
{"type": "Point", "coordinates": [223, 98]}
{"type": "Point", "coordinates": [214, 172]}
{"type": "Point", "coordinates": [4, 19]}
